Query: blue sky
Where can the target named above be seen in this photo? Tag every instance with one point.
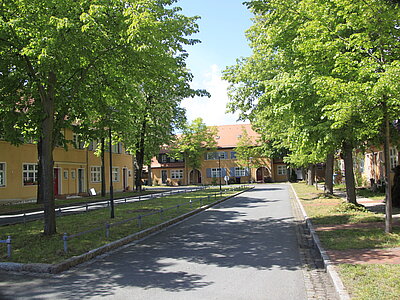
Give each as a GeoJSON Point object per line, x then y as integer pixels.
{"type": "Point", "coordinates": [222, 33]}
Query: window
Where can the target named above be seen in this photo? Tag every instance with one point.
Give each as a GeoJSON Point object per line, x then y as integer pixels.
{"type": "Point", "coordinates": [66, 174]}
{"type": "Point", "coordinates": [95, 174]}
{"type": "Point", "coordinates": [233, 155]}
{"type": "Point", "coordinates": [93, 145]}
{"type": "Point", "coordinates": [73, 174]}
{"type": "Point", "coordinates": [281, 170]}
{"type": "Point", "coordinates": [393, 157]}
{"type": "Point", "coordinates": [240, 172]}
{"type": "Point", "coordinates": [115, 174]}
{"type": "Point", "coordinates": [116, 148]}
{"type": "Point", "coordinates": [176, 174]}
{"type": "Point", "coordinates": [215, 172]}
{"type": "Point", "coordinates": [215, 155]}
{"type": "Point", "coordinates": [78, 144]}
{"type": "Point", "coordinates": [163, 158]}
{"type": "Point", "coordinates": [2, 174]}
{"type": "Point", "coordinates": [30, 174]}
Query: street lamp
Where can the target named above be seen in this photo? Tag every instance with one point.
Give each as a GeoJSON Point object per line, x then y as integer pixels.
{"type": "Point", "coordinates": [111, 179]}
{"type": "Point", "coordinates": [248, 168]}
{"type": "Point", "coordinates": [219, 171]}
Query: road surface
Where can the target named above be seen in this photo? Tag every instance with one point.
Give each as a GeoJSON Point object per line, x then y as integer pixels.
{"type": "Point", "coordinates": [244, 248]}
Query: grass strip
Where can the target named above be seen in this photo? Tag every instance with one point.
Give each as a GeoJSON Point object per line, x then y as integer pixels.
{"type": "Point", "coordinates": [31, 246]}
{"type": "Point", "coordinates": [365, 282]}
{"type": "Point", "coordinates": [344, 239]}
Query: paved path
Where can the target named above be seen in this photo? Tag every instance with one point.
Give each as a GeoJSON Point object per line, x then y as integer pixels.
{"type": "Point", "coordinates": [245, 248]}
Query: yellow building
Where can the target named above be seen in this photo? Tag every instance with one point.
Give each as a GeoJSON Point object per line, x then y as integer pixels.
{"type": "Point", "coordinates": [76, 170]}
{"type": "Point", "coordinates": [219, 164]}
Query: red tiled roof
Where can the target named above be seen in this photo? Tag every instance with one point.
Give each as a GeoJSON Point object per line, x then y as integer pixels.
{"type": "Point", "coordinates": [228, 135]}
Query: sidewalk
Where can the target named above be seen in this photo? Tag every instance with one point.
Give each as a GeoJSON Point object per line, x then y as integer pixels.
{"type": "Point", "coordinates": [363, 256]}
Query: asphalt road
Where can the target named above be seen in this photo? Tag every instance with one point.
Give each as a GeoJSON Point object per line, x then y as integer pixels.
{"type": "Point", "coordinates": [244, 248]}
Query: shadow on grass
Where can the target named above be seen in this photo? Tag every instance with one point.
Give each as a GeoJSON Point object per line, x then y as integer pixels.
{"type": "Point", "coordinates": [223, 238]}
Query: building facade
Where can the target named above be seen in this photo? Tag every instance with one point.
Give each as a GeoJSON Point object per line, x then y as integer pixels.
{"type": "Point", "coordinates": [76, 170]}
{"type": "Point", "coordinates": [219, 165]}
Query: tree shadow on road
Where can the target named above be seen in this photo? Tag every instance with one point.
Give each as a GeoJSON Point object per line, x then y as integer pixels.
{"type": "Point", "coordinates": [218, 238]}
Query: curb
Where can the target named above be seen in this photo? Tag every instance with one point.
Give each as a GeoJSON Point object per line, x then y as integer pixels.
{"type": "Point", "coordinates": [329, 266]}
{"type": "Point", "coordinates": [76, 260]}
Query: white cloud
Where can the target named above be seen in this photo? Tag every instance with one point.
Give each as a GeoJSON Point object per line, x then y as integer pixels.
{"type": "Point", "coordinates": [211, 110]}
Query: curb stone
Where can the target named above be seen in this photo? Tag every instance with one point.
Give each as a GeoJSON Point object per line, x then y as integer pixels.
{"type": "Point", "coordinates": [76, 260]}
{"type": "Point", "coordinates": [329, 266]}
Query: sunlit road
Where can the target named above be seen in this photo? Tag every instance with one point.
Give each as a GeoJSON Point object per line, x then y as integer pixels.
{"type": "Point", "coordinates": [244, 248]}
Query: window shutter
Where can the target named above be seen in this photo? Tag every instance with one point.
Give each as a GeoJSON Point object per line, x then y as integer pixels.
{"type": "Point", "coordinates": [208, 171]}
{"type": "Point", "coordinates": [232, 170]}
{"type": "Point", "coordinates": [223, 171]}
{"type": "Point", "coordinates": [226, 155]}
{"type": "Point", "coordinates": [119, 148]}
{"type": "Point", "coordinates": [247, 172]}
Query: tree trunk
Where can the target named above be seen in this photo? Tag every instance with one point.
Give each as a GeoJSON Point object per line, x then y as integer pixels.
{"type": "Point", "coordinates": [149, 176]}
{"type": "Point", "coordinates": [46, 157]}
{"type": "Point", "coordinates": [349, 173]}
{"type": "Point", "coordinates": [140, 157]}
{"type": "Point", "coordinates": [388, 186]}
{"type": "Point", "coordinates": [311, 174]}
{"type": "Point", "coordinates": [103, 171]}
{"type": "Point", "coordinates": [329, 174]}
{"type": "Point", "coordinates": [39, 196]}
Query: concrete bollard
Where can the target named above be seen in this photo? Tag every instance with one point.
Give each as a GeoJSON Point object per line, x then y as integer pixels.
{"type": "Point", "coordinates": [108, 230]}
{"type": "Point", "coordinates": [8, 241]}
{"type": "Point", "coordinates": [65, 239]}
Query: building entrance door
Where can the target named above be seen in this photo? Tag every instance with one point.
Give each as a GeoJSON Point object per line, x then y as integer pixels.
{"type": "Point", "coordinates": [164, 176]}
{"type": "Point", "coordinates": [81, 180]}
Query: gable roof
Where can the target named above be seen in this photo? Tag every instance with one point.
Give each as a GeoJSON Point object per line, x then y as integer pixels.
{"type": "Point", "coordinates": [228, 135]}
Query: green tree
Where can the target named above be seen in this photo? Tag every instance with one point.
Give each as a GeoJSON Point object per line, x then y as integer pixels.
{"type": "Point", "coordinates": [196, 139]}
{"type": "Point", "coordinates": [53, 54]}
{"type": "Point", "coordinates": [310, 78]}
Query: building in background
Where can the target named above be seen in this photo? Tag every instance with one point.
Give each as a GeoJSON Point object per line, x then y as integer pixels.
{"type": "Point", "coordinates": [76, 170]}
{"type": "Point", "coordinates": [219, 164]}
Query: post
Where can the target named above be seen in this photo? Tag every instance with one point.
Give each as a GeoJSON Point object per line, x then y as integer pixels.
{"type": "Point", "coordinates": [8, 246]}
{"type": "Point", "coordinates": [140, 221]}
{"type": "Point", "coordinates": [111, 182]}
{"type": "Point", "coordinates": [219, 170]}
{"type": "Point", "coordinates": [65, 239]}
{"type": "Point", "coordinates": [107, 230]}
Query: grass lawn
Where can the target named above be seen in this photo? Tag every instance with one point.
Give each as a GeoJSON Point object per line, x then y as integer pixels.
{"type": "Point", "coordinates": [366, 282]}
{"type": "Point", "coordinates": [10, 207]}
{"type": "Point", "coordinates": [362, 281]}
{"type": "Point", "coordinates": [30, 246]}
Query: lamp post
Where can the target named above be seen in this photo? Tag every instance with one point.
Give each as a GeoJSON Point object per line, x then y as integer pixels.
{"type": "Point", "coordinates": [111, 179]}
{"type": "Point", "coordinates": [248, 168]}
{"type": "Point", "coordinates": [219, 171]}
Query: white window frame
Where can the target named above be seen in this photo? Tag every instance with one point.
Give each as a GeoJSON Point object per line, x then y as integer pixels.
{"type": "Point", "coordinates": [78, 144]}
{"type": "Point", "coordinates": [115, 148]}
{"type": "Point", "coordinates": [176, 174]}
{"type": "Point", "coordinates": [115, 174]}
{"type": "Point", "coordinates": [240, 172]}
{"type": "Point", "coordinates": [393, 155]}
{"type": "Point", "coordinates": [216, 155]}
{"type": "Point", "coordinates": [3, 174]}
{"type": "Point", "coordinates": [281, 170]}
{"type": "Point", "coordinates": [31, 172]}
{"type": "Point", "coordinates": [95, 174]}
{"type": "Point", "coordinates": [216, 172]}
